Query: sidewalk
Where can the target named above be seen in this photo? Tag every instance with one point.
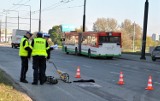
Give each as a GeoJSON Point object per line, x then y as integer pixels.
{"type": "Point", "coordinates": [135, 57]}
{"type": "Point", "coordinates": [5, 44]}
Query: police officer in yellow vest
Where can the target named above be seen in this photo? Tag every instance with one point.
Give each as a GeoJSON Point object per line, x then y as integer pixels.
{"type": "Point", "coordinates": [39, 54]}
{"type": "Point", "coordinates": [46, 37]}
{"type": "Point", "coordinates": [24, 53]}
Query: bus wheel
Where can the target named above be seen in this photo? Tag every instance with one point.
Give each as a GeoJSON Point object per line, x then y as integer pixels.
{"type": "Point", "coordinates": [89, 53]}
{"type": "Point", "coordinates": [76, 51]}
{"type": "Point", "coordinates": [111, 57]}
{"type": "Point", "coordinates": [66, 50]}
{"type": "Point", "coordinates": [15, 47]}
{"type": "Point", "coordinates": [12, 45]}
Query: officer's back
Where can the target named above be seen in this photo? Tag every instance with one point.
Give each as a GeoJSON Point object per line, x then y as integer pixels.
{"type": "Point", "coordinates": [39, 54]}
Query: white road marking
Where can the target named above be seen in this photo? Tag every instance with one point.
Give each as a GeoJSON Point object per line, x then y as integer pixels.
{"type": "Point", "coordinates": [158, 72]}
{"type": "Point", "coordinates": [67, 61]}
{"type": "Point", "coordinates": [89, 85]}
{"type": "Point", "coordinates": [146, 70]}
{"type": "Point", "coordinates": [113, 80]}
{"type": "Point", "coordinates": [127, 66]}
{"type": "Point", "coordinates": [116, 64]}
{"type": "Point", "coordinates": [114, 73]}
{"type": "Point", "coordinates": [87, 66]}
{"type": "Point", "coordinates": [157, 83]}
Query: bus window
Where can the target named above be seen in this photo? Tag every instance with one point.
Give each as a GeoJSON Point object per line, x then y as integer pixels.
{"type": "Point", "coordinates": [70, 40]}
{"type": "Point", "coordinates": [84, 40]}
{"type": "Point", "coordinates": [89, 40]}
{"type": "Point", "coordinates": [67, 40]}
{"type": "Point", "coordinates": [115, 40]}
{"type": "Point", "coordinates": [76, 39]}
{"type": "Point", "coordinates": [93, 41]}
{"type": "Point", "coordinates": [103, 39]}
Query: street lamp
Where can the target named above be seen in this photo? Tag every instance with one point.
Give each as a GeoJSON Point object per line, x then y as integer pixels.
{"type": "Point", "coordinates": [40, 17]}
{"type": "Point", "coordinates": [30, 12]}
{"type": "Point", "coordinates": [134, 38]}
{"type": "Point", "coordinates": [6, 22]}
{"type": "Point", "coordinates": [13, 11]}
{"type": "Point", "coordinates": [0, 28]}
{"type": "Point", "coordinates": [84, 16]}
{"type": "Point", "coordinates": [6, 27]}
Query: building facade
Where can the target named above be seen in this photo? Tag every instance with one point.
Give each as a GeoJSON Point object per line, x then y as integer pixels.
{"type": "Point", "coordinates": [155, 37]}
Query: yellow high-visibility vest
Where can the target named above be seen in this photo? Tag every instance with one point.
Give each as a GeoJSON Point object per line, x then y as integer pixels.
{"type": "Point", "coordinates": [22, 51]}
{"type": "Point", "coordinates": [39, 48]}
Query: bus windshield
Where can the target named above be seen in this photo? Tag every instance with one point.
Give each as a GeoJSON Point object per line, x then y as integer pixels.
{"type": "Point", "coordinates": [109, 39]}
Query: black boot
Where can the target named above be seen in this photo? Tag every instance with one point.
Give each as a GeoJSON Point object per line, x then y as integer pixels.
{"type": "Point", "coordinates": [23, 80]}
{"type": "Point", "coordinates": [34, 83]}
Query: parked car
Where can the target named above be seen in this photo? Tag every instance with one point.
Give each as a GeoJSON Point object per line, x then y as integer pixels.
{"type": "Point", "coordinates": [155, 53]}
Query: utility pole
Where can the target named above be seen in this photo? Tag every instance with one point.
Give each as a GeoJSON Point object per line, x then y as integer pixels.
{"type": "Point", "coordinates": [18, 20]}
{"type": "Point", "coordinates": [134, 38]}
{"type": "Point", "coordinates": [6, 28]}
{"type": "Point", "coordinates": [40, 17]}
{"type": "Point", "coordinates": [14, 11]}
{"type": "Point", "coordinates": [0, 29]}
{"type": "Point", "coordinates": [30, 13]}
{"type": "Point", "coordinates": [30, 19]}
{"type": "Point", "coordinates": [84, 16]}
{"type": "Point", "coordinates": [144, 30]}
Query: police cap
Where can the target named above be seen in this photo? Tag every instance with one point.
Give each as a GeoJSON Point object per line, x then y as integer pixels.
{"type": "Point", "coordinates": [46, 35]}
{"type": "Point", "coordinates": [39, 34]}
{"type": "Point", "coordinates": [29, 33]}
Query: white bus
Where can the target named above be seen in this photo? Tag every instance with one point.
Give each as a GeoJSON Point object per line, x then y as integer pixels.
{"type": "Point", "coordinates": [93, 44]}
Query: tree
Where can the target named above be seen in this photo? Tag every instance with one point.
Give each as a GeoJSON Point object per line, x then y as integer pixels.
{"type": "Point", "coordinates": [103, 24]}
{"type": "Point", "coordinates": [56, 34]}
{"type": "Point", "coordinates": [128, 27]}
{"type": "Point", "coordinates": [149, 42]}
{"type": "Point", "coordinates": [81, 29]}
{"type": "Point", "coordinates": [127, 30]}
{"type": "Point", "coordinates": [138, 31]}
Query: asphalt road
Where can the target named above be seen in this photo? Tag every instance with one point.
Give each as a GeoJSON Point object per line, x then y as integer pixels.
{"type": "Point", "coordinates": [105, 72]}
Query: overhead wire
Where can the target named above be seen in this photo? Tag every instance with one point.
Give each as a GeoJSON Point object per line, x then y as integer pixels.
{"type": "Point", "coordinates": [18, 6]}
{"type": "Point", "coordinates": [14, 7]}
{"type": "Point", "coordinates": [62, 1]}
{"type": "Point", "coordinates": [55, 5]}
{"type": "Point", "coordinates": [51, 7]}
{"type": "Point", "coordinates": [36, 11]}
{"type": "Point", "coordinates": [11, 8]}
{"type": "Point", "coordinates": [73, 6]}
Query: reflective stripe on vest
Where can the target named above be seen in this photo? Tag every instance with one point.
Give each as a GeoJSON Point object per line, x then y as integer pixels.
{"type": "Point", "coordinates": [39, 47]}
{"type": "Point", "coordinates": [22, 51]}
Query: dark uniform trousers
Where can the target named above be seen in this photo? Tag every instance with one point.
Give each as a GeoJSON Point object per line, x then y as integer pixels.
{"type": "Point", "coordinates": [39, 64]}
{"type": "Point", "coordinates": [24, 67]}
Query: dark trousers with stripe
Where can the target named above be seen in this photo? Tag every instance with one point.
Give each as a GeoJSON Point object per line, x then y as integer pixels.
{"type": "Point", "coordinates": [24, 67]}
{"type": "Point", "coordinates": [39, 65]}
